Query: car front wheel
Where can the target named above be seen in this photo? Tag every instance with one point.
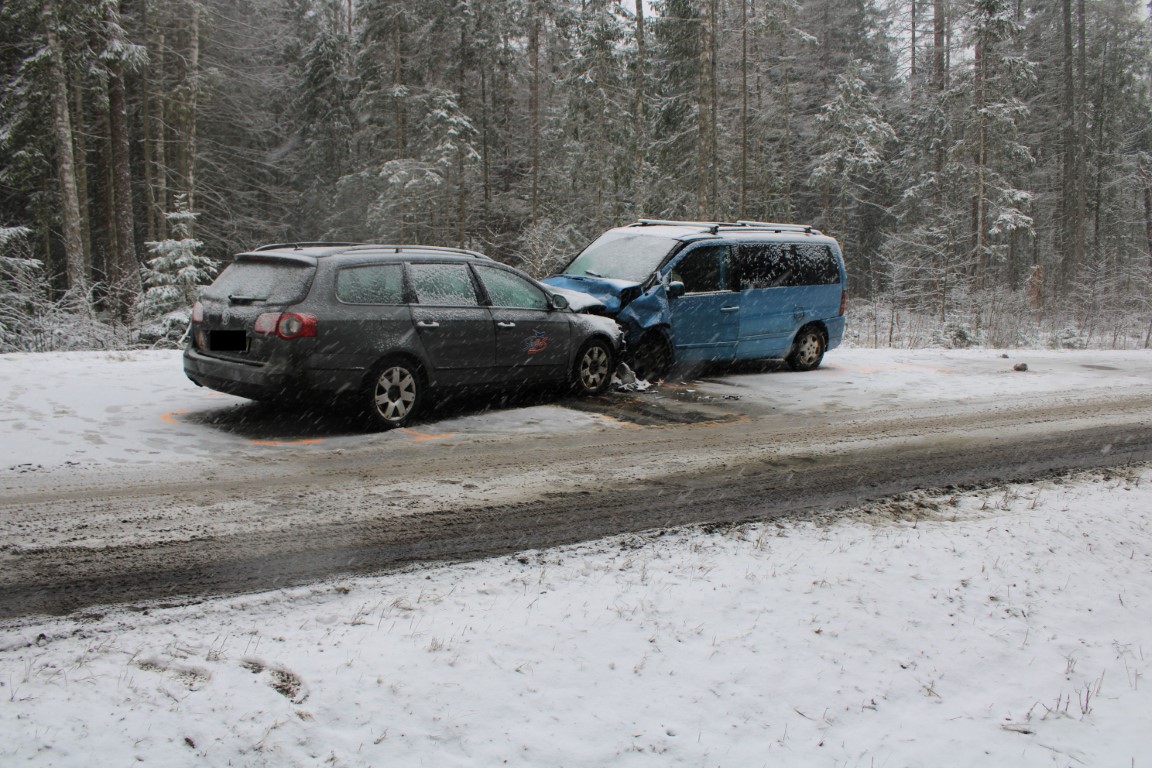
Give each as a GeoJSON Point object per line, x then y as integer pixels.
{"type": "Point", "coordinates": [593, 372]}
{"type": "Point", "coordinates": [394, 393]}
{"type": "Point", "coordinates": [807, 350]}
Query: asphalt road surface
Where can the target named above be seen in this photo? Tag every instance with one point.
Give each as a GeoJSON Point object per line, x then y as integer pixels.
{"type": "Point", "coordinates": [176, 534]}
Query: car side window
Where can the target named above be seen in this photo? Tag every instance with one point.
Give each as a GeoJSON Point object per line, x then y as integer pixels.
{"type": "Point", "coordinates": [702, 270]}
{"type": "Point", "coordinates": [443, 285]}
{"type": "Point", "coordinates": [375, 284]}
{"type": "Point", "coordinates": [508, 290]}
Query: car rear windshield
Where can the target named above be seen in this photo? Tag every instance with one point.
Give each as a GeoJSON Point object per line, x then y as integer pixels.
{"type": "Point", "coordinates": [622, 256]}
{"type": "Point", "coordinates": [265, 281]}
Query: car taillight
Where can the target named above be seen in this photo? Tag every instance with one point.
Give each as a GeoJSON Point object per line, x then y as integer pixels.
{"type": "Point", "coordinates": [290, 325]}
{"type": "Point", "coordinates": [293, 326]}
{"type": "Point", "coordinates": [197, 312]}
{"type": "Point", "coordinates": [843, 302]}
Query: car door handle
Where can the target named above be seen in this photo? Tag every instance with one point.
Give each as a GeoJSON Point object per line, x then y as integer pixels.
{"type": "Point", "coordinates": [729, 309]}
{"type": "Point", "coordinates": [428, 324]}
{"type": "Point", "coordinates": [506, 325]}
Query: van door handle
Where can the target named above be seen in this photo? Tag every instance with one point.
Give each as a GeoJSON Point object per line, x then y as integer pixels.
{"type": "Point", "coordinates": [428, 324]}
{"type": "Point", "coordinates": [506, 325]}
{"type": "Point", "coordinates": [729, 309]}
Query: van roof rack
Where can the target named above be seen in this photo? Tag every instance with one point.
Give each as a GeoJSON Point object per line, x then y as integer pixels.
{"type": "Point", "coordinates": [716, 226]}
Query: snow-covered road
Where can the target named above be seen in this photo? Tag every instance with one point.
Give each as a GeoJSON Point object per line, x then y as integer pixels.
{"type": "Point", "coordinates": [1004, 626]}
{"type": "Point", "coordinates": [155, 489]}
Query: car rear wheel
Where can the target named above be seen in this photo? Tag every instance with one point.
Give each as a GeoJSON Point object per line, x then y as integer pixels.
{"type": "Point", "coordinates": [593, 372]}
{"type": "Point", "coordinates": [652, 356]}
{"type": "Point", "coordinates": [807, 350]}
{"type": "Point", "coordinates": [394, 393]}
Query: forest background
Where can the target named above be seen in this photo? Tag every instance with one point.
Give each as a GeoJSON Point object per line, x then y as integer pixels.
{"type": "Point", "coordinates": [986, 164]}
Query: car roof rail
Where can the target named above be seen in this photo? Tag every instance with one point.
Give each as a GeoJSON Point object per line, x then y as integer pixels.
{"type": "Point", "coordinates": [299, 245]}
{"type": "Point", "coordinates": [715, 226]}
{"type": "Point", "coordinates": [432, 248]}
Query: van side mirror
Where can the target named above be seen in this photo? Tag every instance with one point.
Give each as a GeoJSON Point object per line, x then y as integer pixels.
{"type": "Point", "coordinates": [556, 301]}
{"type": "Point", "coordinates": [675, 289]}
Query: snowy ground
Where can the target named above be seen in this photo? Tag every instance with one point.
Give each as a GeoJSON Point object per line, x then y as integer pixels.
{"type": "Point", "coordinates": [1008, 627]}
{"type": "Point", "coordinates": [96, 412]}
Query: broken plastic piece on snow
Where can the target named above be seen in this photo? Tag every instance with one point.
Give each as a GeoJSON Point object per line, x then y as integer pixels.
{"type": "Point", "coordinates": [624, 380]}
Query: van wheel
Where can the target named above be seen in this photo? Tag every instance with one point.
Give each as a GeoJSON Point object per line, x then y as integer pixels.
{"type": "Point", "coordinates": [652, 357]}
{"type": "Point", "coordinates": [807, 350]}
{"type": "Point", "coordinates": [394, 393]}
{"type": "Point", "coordinates": [593, 371]}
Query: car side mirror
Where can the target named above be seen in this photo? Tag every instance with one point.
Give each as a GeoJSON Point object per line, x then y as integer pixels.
{"type": "Point", "coordinates": [675, 289]}
{"type": "Point", "coordinates": [556, 301]}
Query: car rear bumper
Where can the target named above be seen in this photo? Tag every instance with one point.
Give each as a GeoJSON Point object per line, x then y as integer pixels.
{"type": "Point", "coordinates": [266, 381]}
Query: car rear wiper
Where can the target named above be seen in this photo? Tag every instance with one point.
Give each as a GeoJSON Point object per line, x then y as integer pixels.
{"type": "Point", "coordinates": [234, 299]}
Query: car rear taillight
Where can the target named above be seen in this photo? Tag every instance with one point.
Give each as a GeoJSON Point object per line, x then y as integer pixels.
{"type": "Point", "coordinates": [197, 312]}
{"type": "Point", "coordinates": [843, 302]}
{"type": "Point", "coordinates": [293, 326]}
{"type": "Point", "coordinates": [289, 325]}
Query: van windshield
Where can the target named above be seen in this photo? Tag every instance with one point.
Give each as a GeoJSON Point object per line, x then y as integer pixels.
{"type": "Point", "coordinates": [622, 256]}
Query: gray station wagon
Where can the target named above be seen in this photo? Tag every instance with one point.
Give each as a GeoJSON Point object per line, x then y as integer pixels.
{"type": "Point", "coordinates": [712, 291]}
{"type": "Point", "coordinates": [384, 325]}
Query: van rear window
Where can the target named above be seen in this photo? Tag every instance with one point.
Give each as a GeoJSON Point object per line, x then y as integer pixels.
{"type": "Point", "coordinates": [776, 265]}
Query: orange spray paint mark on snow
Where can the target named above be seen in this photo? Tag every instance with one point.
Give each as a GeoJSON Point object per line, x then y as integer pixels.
{"type": "Point", "coordinates": [419, 437]}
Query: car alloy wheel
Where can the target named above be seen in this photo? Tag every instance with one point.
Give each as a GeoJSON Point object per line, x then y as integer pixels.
{"type": "Point", "coordinates": [395, 394]}
{"type": "Point", "coordinates": [594, 368]}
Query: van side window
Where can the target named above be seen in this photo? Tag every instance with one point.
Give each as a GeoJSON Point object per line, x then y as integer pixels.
{"type": "Point", "coordinates": [776, 265]}
{"type": "Point", "coordinates": [815, 265]}
{"type": "Point", "coordinates": [377, 284]}
{"type": "Point", "coordinates": [760, 266]}
{"type": "Point", "coordinates": [702, 270]}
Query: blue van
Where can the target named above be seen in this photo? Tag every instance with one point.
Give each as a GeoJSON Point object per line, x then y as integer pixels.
{"type": "Point", "coordinates": [690, 292]}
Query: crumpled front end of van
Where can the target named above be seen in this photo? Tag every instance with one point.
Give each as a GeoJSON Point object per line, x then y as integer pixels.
{"type": "Point", "coordinates": [635, 309]}
{"type": "Point", "coordinates": [649, 310]}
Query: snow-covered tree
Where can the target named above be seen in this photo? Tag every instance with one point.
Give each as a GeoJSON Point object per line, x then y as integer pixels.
{"type": "Point", "coordinates": [853, 145]}
{"type": "Point", "coordinates": [173, 276]}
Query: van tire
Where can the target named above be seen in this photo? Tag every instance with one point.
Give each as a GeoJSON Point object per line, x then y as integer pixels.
{"type": "Point", "coordinates": [394, 393]}
{"type": "Point", "coordinates": [807, 349]}
{"type": "Point", "coordinates": [652, 356]}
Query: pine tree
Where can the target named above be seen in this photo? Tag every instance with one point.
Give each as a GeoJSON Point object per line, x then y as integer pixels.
{"type": "Point", "coordinates": [173, 276]}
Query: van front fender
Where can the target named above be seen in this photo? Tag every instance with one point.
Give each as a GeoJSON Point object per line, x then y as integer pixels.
{"type": "Point", "coordinates": [650, 310]}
